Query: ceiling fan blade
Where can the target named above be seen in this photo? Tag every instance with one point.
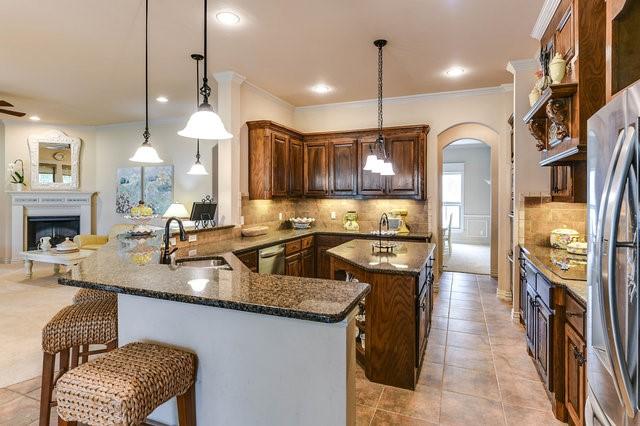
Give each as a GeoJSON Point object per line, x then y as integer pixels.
{"type": "Point", "coordinates": [5, 104]}
{"type": "Point", "coordinates": [14, 113]}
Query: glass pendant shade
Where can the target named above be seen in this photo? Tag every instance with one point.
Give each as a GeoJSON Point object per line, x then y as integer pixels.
{"type": "Point", "coordinates": [205, 124]}
{"type": "Point", "coordinates": [146, 154]}
{"type": "Point", "coordinates": [387, 169]}
{"type": "Point", "coordinates": [371, 160]}
{"type": "Point", "coordinates": [197, 169]}
{"type": "Point", "coordinates": [377, 166]}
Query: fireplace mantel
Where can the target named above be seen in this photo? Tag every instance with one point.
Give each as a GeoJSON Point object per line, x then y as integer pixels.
{"type": "Point", "coordinates": [46, 203]}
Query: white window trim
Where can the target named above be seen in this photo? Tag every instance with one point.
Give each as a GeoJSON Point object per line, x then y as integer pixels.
{"type": "Point", "coordinates": [455, 168]}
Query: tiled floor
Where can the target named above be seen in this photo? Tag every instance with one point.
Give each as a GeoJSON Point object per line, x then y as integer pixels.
{"type": "Point", "coordinates": [476, 370]}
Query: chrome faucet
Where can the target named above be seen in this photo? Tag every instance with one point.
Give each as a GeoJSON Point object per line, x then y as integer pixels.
{"type": "Point", "coordinates": [166, 254]}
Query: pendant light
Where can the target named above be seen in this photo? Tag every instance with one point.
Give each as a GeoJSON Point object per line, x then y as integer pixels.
{"type": "Point", "coordinates": [205, 123]}
{"type": "Point", "coordinates": [379, 163]}
{"type": "Point", "coordinates": [197, 168]}
{"type": "Point", "coordinates": [145, 152]}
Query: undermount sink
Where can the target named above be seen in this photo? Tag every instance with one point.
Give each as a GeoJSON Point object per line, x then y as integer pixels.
{"type": "Point", "coordinates": [214, 262]}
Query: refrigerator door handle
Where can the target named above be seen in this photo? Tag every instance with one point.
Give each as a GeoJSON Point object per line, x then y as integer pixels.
{"type": "Point", "coordinates": [616, 347]}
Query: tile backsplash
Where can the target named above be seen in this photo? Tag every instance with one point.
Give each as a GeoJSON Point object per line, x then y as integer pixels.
{"type": "Point", "coordinates": [541, 216]}
{"type": "Point", "coordinates": [265, 212]}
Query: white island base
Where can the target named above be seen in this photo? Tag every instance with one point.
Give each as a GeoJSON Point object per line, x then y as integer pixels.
{"type": "Point", "coordinates": [253, 369]}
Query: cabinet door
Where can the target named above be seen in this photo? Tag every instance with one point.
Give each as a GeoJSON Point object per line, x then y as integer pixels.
{"type": "Point", "coordinates": [562, 182]}
{"type": "Point", "coordinates": [422, 315]}
{"type": "Point", "coordinates": [368, 183]}
{"type": "Point", "coordinates": [293, 265]}
{"type": "Point", "coordinates": [404, 152]}
{"type": "Point", "coordinates": [279, 161]}
{"type": "Point", "coordinates": [250, 259]}
{"type": "Point", "coordinates": [343, 167]}
{"type": "Point", "coordinates": [296, 167]}
{"type": "Point", "coordinates": [530, 320]}
{"type": "Point", "coordinates": [323, 262]}
{"type": "Point", "coordinates": [316, 176]}
{"type": "Point", "coordinates": [523, 294]}
{"type": "Point", "coordinates": [544, 349]}
{"type": "Point", "coordinates": [575, 375]}
{"type": "Point", "coordinates": [308, 263]}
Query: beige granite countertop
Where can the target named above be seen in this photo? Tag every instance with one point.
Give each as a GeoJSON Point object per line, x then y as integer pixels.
{"type": "Point", "coordinates": [406, 258]}
{"type": "Point", "coordinates": [548, 260]}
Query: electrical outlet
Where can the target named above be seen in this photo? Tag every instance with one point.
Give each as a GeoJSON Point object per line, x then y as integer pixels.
{"type": "Point", "coordinates": [172, 241]}
{"type": "Point", "coordinates": [280, 216]}
{"type": "Point", "coordinates": [193, 252]}
{"type": "Point", "coordinates": [193, 238]}
{"type": "Point", "coordinates": [241, 220]}
{"type": "Point", "coordinates": [334, 216]}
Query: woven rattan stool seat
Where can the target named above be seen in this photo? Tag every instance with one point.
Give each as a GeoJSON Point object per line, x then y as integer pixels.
{"type": "Point", "coordinates": [124, 386]}
{"type": "Point", "coordinates": [93, 322]}
{"type": "Point", "coordinates": [88, 295]}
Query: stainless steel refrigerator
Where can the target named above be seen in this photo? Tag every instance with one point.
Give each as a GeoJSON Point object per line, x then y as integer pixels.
{"type": "Point", "coordinates": [612, 313]}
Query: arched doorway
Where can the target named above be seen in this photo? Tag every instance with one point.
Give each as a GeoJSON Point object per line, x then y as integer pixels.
{"type": "Point", "coordinates": [488, 136]}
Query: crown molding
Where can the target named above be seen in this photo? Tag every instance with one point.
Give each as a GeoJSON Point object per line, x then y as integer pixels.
{"type": "Point", "coordinates": [548, 9]}
{"type": "Point", "coordinates": [520, 65]}
{"type": "Point", "coordinates": [229, 77]}
{"type": "Point", "coordinates": [268, 95]}
{"type": "Point", "coordinates": [401, 99]}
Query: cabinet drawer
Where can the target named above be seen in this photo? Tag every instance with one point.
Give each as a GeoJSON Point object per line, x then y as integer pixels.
{"type": "Point", "coordinates": [546, 291]}
{"type": "Point", "coordinates": [293, 247]}
{"type": "Point", "coordinates": [306, 242]}
{"type": "Point", "coordinates": [575, 314]}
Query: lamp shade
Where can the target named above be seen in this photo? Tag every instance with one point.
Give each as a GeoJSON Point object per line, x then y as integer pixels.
{"type": "Point", "coordinates": [205, 124]}
{"type": "Point", "coordinates": [198, 170]}
{"type": "Point", "coordinates": [371, 159]}
{"type": "Point", "coordinates": [387, 169]}
{"type": "Point", "coordinates": [176, 210]}
{"type": "Point", "coordinates": [146, 154]}
{"type": "Point", "coordinates": [377, 166]}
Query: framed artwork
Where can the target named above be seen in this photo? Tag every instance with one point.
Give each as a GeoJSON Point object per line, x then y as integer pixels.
{"type": "Point", "coordinates": [129, 189]}
{"type": "Point", "coordinates": [157, 187]}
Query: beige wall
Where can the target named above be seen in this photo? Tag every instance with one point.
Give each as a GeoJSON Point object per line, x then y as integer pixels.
{"type": "Point", "coordinates": [540, 216]}
{"type": "Point", "coordinates": [5, 234]}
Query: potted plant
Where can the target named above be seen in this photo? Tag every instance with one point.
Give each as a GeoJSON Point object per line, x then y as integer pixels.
{"type": "Point", "coordinates": [16, 176]}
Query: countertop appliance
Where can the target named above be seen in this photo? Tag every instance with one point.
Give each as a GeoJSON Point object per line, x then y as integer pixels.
{"type": "Point", "coordinates": [613, 309]}
{"type": "Point", "coordinates": [271, 260]}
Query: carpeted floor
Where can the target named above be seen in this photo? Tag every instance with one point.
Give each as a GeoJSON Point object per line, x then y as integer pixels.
{"type": "Point", "coordinates": [470, 258]}
{"type": "Point", "coordinates": [25, 307]}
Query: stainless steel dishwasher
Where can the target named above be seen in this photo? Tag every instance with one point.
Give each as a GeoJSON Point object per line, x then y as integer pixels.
{"type": "Point", "coordinates": [271, 260]}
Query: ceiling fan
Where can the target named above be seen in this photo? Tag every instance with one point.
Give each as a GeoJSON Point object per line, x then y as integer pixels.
{"type": "Point", "coordinates": [6, 111]}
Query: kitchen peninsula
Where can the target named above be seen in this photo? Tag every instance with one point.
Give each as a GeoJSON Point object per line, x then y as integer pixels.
{"type": "Point", "coordinates": [260, 339]}
{"type": "Point", "coordinates": [395, 319]}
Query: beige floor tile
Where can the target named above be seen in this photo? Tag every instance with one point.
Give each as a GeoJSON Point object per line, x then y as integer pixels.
{"type": "Point", "coordinates": [471, 382]}
{"type": "Point", "coordinates": [438, 337]}
{"type": "Point", "coordinates": [461, 276]}
{"type": "Point", "coordinates": [522, 416]}
{"type": "Point", "coordinates": [423, 403]}
{"type": "Point", "coordinates": [464, 326]}
{"type": "Point", "coordinates": [26, 387]}
{"type": "Point", "coordinates": [468, 340]}
{"type": "Point", "coordinates": [515, 365]}
{"type": "Point", "coordinates": [456, 295]}
{"type": "Point", "coordinates": [434, 353]}
{"type": "Point", "coordinates": [466, 314]}
{"type": "Point", "coordinates": [473, 359]}
{"type": "Point", "coordinates": [466, 304]}
{"type": "Point", "coordinates": [364, 415]}
{"type": "Point", "coordinates": [7, 396]}
{"type": "Point", "coordinates": [20, 411]}
{"type": "Point", "coordinates": [466, 290]}
{"type": "Point", "coordinates": [524, 393]}
{"type": "Point", "coordinates": [367, 393]}
{"type": "Point", "coordinates": [385, 418]}
{"type": "Point", "coordinates": [439, 323]}
{"type": "Point", "coordinates": [464, 410]}
{"type": "Point", "coordinates": [431, 374]}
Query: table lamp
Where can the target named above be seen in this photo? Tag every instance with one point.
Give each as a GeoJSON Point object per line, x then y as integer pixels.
{"type": "Point", "coordinates": [176, 210]}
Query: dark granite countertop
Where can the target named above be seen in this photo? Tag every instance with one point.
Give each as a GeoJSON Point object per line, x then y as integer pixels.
{"type": "Point", "coordinates": [407, 258]}
{"type": "Point", "coordinates": [548, 261]}
{"type": "Point", "coordinates": [112, 269]}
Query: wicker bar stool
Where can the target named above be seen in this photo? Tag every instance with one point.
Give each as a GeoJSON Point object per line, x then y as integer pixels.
{"type": "Point", "coordinates": [81, 353]}
{"type": "Point", "coordinates": [124, 386]}
{"type": "Point", "coordinates": [88, 323]}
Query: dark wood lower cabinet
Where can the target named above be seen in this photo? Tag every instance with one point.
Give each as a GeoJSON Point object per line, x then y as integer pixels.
{"type": "Point", "coordinates": [543, 345]}
{"type": "Point", "coordinates": [308, 263]}
{"type": "Point", "coordinates": [293, 265]}
{"type": "Point", "coordinates": [575, 374]}
{"type": "Point", "coordinates": [250, 259]}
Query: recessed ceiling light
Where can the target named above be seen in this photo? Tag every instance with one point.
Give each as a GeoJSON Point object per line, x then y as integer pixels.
{"type": "Point", "coordinates": [34, 118]}
{"type": "Point", "coordinates": [227, 18]}
{"type": "Point", "coordinates": [321, 88]}
{"type": "Point", "coordinates": [454, 72]}
{"type": "Point", "coordinates": [162, 99]}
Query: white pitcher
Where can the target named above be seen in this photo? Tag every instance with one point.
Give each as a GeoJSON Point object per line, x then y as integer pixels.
{"type": "Point", "coordinates": [45, 243]}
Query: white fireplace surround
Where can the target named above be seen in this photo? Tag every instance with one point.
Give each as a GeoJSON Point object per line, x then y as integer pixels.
{"type": "Point", "coordinates": [46, 203]}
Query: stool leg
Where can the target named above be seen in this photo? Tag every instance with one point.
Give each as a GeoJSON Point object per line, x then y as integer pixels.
{"type": "Point", "coordinates": [62, 422]}
{"type": "Point", "coordinates": [187, 407]}
{"type": "Point", "coordinates": [64, 361]}
{"type": "Point", "coordinates": [75, 356]}
{"type": "Point", "coordinates": [85, 351]}
{"type": "Point", "coordinates": [48, 365]}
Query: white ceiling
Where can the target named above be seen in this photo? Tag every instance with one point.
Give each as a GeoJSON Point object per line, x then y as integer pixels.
{"type": "Point", "coordinates": [81, 61]}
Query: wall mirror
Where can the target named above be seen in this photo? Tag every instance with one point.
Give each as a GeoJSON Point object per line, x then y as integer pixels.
{"type": "Point", "coordinates": [55, 161]}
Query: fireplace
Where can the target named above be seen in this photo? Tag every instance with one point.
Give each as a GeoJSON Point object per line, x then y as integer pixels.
{"type": "Point", "coordinates": [56, 227]}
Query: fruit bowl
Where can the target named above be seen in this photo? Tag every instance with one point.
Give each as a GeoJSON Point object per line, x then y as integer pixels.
{"type": "Point", "coordinates": [301, 222]}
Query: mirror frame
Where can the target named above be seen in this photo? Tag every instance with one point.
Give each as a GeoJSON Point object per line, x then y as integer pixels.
{"type": "Point", "coordinates": [58, 137]}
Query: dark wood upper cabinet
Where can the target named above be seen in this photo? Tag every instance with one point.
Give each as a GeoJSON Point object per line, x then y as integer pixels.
{"type": "Point", "coordinates": [279, 164]}
{"type": "Point", "coordinates": [284, 162]}
{"type": "Point", "coordinates": [316, 178]}
{"type": "Point", "coordinates": [296, 167]}
{"type": "Point", "coordinates": [343, 163]}
{"type": "Point", "coordinates": [622, 35]}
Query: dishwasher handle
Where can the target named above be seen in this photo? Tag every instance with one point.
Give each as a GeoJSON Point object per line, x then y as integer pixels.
{"type": "Point", "coordinates": [268, 254]}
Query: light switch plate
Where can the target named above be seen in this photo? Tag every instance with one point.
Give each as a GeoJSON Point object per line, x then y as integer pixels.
{"type": "Point", "coordinates": [172, 241]}
{"type": "Point", "coordinates": [333, 216]}
{"type": "Point", "coordinates": [193, 252]}
{"type": "Point", "coordinates": [193, 238]}
{"type": "Point", "coordinates": [280, 216]}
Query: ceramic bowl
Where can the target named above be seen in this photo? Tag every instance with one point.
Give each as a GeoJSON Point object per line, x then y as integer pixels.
{"type": "Point", "coordinates": [577, 247]}
{"type": "Point", "coordinates": [561, 237]}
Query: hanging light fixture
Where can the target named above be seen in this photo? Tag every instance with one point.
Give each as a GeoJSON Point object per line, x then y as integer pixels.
{"type": "Point", "coordinates": [197, 168]}
{"type": "Point", "coordinates": [205, 123]}
{"type": "Point", "coordinates": [145, 152]}
{"type": "Point", "coordinates": [378, 160]}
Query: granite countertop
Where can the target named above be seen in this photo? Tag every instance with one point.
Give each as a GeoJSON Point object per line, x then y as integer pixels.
{"type": "Point", "coordinates": [548, 260]}
{"type": "Point", "coordinates": [114, 270]}
{"type": "Point", "coordinates": [407, 258]}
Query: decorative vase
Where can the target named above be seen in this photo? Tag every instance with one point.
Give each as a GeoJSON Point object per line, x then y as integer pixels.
{"type": "Point", "coordinates": [534, 95]}
{"type": "Point", "coordinates": [18, 187]}
{"type": "Point", "coordinates": [557, 69]}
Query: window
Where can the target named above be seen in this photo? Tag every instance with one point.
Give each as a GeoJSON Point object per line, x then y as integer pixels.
{"type": "Point", "coordinates": [452, 195]}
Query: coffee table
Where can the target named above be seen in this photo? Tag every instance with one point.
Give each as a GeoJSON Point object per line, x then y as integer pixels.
{"type": "Point", "coordinates": [51, 256]}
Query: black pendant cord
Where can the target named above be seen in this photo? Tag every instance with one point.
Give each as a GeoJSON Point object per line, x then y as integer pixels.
{"type": "Point", "coordinates": [198, 58]}
{"type": "Point", "coordinates": [205, 90]}
{"type": "Point", "coordinates": [380, 142]}
{"type": "Point", "coordinates": [146, 133]}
